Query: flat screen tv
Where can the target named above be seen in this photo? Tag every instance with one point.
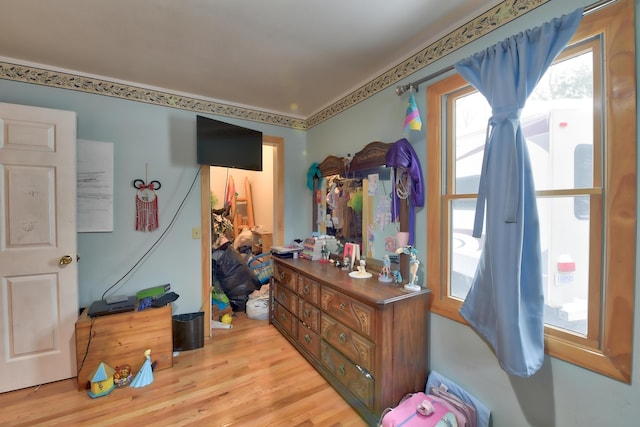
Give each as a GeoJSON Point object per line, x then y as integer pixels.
{"type": "Point", "coordinates": [226, 145]}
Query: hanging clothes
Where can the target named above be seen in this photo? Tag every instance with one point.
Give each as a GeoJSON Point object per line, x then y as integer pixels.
{"type": "Point", "coordinates": [505, 304]}
{"type": "Point", "coordinates": [230, 193]}
{"type": "Point", "coordinates": [403, 159]}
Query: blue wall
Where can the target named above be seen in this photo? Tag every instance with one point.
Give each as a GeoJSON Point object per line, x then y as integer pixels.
{"type": "Point", "coordinates": [559, 395]}
{"type": "Point", "coordinates": [164, 139]}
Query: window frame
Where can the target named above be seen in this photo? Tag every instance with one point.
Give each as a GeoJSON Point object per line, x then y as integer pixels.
{"type": "Point", "coordinates": [607, 349]}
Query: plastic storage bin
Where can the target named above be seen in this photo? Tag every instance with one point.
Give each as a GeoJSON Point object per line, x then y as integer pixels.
{"type": "Point", "coordinates": [188, 331]}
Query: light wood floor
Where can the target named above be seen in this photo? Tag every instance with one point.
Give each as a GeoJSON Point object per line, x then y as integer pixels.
{"type": "Point", "coordinates": [245, 376]}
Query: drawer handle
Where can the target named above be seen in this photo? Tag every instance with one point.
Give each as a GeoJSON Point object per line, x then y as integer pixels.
{"type": "Point", "coordinates": [342, 306]}
{"type": "Point", "coordinates": [307, 313]}
{"type": "Point", "coordinates": [341, 370]}
{"type": "Point", "coordinates": [283, 316]}
{"type": "Point", "coordinates": [364, 372]}
{"type": "Point", "coordinates": [306, 289]}
{"type": "Point", "coordinates": [281, 275]}
{"type": "Point", "coordinates": [307, 338]}
{"type": "Point", "coordinates": [342, 338]}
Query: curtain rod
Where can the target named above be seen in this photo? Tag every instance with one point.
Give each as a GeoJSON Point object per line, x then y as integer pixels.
{"type": "Point", "coordinates": [400, 90]}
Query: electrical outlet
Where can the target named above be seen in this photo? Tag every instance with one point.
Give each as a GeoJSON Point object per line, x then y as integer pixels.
{"type": "Point", "coordinates": [195, 233]}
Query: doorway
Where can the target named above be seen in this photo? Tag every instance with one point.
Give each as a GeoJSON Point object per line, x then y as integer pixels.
{"type": "Point", "coordinates": [277, 145]}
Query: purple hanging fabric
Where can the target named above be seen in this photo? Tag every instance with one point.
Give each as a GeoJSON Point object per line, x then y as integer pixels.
{"type": "Point", "coordinates": [402, 155]}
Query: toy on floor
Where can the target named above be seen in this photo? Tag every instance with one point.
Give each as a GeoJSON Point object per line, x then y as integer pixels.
{"type": "Point", "coordinates": [144, 377]}
{"type": "Point", "coordinates": [122, 377]}
{"type": "Point", "coordinates": [101, 381]}
{"type": "Point", "coordinates": [226, 319]}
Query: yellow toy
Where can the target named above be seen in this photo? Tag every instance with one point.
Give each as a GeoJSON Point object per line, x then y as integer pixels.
{"type": "Point", "coordinates": [226, 319]}
{"type": "Point", "coordinates": [101, 381]}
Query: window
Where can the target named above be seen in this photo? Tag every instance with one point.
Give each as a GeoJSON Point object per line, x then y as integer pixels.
{"type": "Point", "coordinates": [581, 135]}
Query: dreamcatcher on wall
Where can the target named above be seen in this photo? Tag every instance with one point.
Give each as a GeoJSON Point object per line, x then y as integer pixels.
{"type": "Point", "coordinates": [146, 204]}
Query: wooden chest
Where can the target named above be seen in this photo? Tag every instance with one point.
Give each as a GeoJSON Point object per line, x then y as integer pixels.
{"type": "Point", "coordinates": [122, 338]}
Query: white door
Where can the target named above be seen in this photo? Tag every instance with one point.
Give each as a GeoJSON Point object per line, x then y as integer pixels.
{"type": "Point", "coordinates": [38, 270]}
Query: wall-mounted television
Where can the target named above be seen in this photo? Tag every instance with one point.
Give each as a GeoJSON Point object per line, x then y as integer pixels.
{"type": "Point", "coordinates": [226, 145]}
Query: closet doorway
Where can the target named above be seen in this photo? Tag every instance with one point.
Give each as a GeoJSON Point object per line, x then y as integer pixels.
{"type": "Point", "coordinates": [274, 147]}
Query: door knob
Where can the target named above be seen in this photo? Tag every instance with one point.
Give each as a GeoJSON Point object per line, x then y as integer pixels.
{"type": "Point", "coordinates": [66, 260]}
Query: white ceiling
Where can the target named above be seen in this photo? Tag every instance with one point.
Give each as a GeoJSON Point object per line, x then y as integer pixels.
{"type": "Point", "coordinates": [291, 57]}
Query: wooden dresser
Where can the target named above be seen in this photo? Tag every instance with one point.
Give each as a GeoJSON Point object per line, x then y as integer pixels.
{"type": "Point", "coordinates": [367, 338]}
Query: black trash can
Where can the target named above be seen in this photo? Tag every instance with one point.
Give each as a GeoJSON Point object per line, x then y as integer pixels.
{"type": "Point", "coordinates": [188, 331]}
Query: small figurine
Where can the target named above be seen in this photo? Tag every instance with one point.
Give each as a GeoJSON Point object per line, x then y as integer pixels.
{"type": "Point", "coordinates": [397, 277]}
{"type": "Point", "coordinates": [362, 270]}
{"type": "Point", "coordinates": [144, 377]}
{"type": "Point", "coordinates": [414, 264]}
{"type": "Point", "coordinates": [122, 376]}
{"type": "Point", "coordinates": [385, 272]}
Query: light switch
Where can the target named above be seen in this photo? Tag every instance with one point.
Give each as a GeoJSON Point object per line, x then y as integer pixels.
{"type": "Point", "coordinates": [195, 233]}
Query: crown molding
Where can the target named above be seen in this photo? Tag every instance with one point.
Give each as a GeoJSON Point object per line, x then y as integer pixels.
{"type": "Point", "coordinates": [95, 86]}
{"type": "Point", "coordinates": [494, 18]}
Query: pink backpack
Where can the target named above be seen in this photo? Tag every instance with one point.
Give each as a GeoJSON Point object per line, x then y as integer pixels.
{"type": "Point", "coordinates": [419, 409]}
{"type": "Point", "coordinates": [465, 414]}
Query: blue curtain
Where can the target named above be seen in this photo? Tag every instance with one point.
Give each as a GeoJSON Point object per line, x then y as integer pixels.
{"type": "Point", "coordinates": [505, 304]}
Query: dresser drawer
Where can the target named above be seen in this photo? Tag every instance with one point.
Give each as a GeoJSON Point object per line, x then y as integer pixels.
{"type": "Point", "coordinates": [357, 316]}
{"type": "Point", "coordinates": [286, 297]}
{"type": "Point", "coordinates": [309, 315]}
{"type": "Point", "coordinates": [354, 346]}
{"type": "Point", "coordinates": [359, 383]}
{"type": "Point", "coordinates": [309, 340]}
{"type": "Point", "coordinates": [285, 319]}
{"type": "Point", "coordinates": [309, 290]}
{"type": "Point", "coordinates": [285, 276]}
